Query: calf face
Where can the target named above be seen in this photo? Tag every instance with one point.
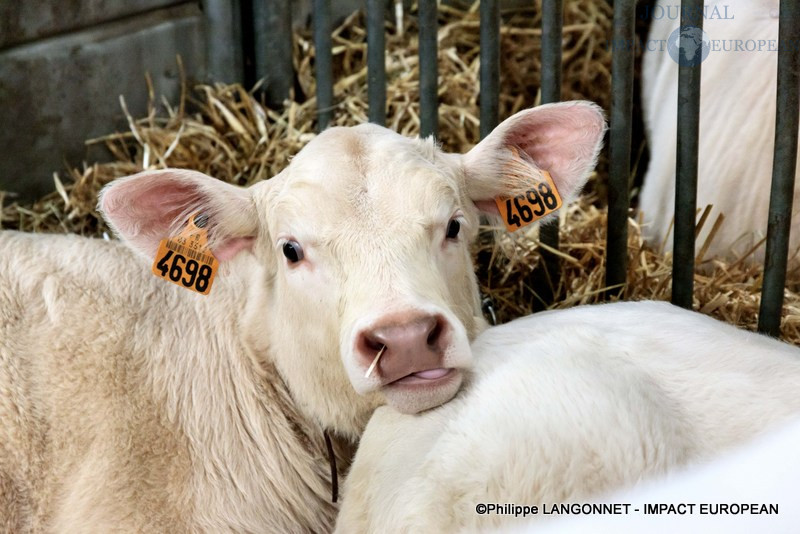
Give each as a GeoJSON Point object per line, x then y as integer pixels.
{"type": "Point", "coordinates": [357, 254]}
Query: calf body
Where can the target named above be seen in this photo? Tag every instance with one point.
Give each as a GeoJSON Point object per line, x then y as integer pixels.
{"type": "Point", "coordinates": [565, 405]}
{"type": "Point", "coordinates": [129, 406]}
{"type": "Point", "coordinates": [752, 488]}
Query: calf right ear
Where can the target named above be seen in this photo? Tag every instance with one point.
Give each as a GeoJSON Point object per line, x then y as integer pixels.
{"type": "Point", "coordinates": [147, 207]}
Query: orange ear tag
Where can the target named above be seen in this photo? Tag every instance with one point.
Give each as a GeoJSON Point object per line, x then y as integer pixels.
{"type": "Point", "coordinates": [537, 202]}
{"type": "Point", "coordinates": [185, 259]}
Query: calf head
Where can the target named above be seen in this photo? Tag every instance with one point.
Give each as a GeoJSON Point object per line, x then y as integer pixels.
{"type": "Point", "coordinates": [360, 247]}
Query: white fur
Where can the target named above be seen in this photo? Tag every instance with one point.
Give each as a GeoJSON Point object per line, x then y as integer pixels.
{"type": "Point", "coordinates": [762, 472]}
{"type": "Point", "coordinates": [130, 404]}
{"type": "Point", "coordinates": [564, 406]}
{"type": "Point", "coordinates": [737, 130]}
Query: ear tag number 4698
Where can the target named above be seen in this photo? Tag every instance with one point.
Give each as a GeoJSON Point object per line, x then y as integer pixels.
{"type": "Point", "coordinates": [537, 202]}
{"type": "Point", "coordinates": [186, 260]}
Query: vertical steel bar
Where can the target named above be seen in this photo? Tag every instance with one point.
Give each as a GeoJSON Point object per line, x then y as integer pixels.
{"type": "Point", "coordinates": [323, 64]}
{"type": "Point", "coordinates": [546, 282]}
{"type": "Point", "coordinates": [489, 88]}
{"type": "Point", "coordinates": [272, 25]}
{"type": "Point", "coordinates": [428, 69]}
{"type": "Point", "coordinates": [376, 60]}
{"type": "Point", "coordinates": [783, 170]}
{"type": "Point", "coordinates": [552, 26]}
{"type": "Point", "coordinates": [686, 164]}
{"type": "Point", "coordinates": [620, 142]}
{"type": "Point", "coordinates": [490, 65]}
{"type": "Point", "coordinates": [222, 21]}
{"type": "Point", "coordinates": [247, 41]}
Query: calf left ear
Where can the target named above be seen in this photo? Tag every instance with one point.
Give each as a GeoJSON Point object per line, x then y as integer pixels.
{"type": "Point", "coordinates": [563, 139]}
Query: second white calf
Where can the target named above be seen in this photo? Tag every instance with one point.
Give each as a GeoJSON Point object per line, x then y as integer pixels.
{"type": "Point", "coordinates": [565, 405]}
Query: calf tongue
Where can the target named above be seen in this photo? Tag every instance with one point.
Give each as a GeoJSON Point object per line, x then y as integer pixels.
{"type": "Point", "coordinates": [431, 374]}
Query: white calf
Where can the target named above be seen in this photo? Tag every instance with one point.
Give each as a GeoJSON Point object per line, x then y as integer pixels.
{"type": "Point", "coordinates": [130, 404]}
{"type": "Point", "coordinates": [564, 405]}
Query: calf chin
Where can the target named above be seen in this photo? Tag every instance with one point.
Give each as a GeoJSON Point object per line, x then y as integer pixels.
{"type": "Point", "coordinates": [418, 397]}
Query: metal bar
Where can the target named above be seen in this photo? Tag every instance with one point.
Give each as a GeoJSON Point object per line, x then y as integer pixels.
{"type": "Point", "coordinates": [247, 42]}
{"type": "Point", "coordinates": [686, 164]}
{"type": "Point", "coordinates": [272, 25]}
{"type": "Point", "coordinates": [620, 143]}
{"type": "Point", "coordinates": [376, 61]}
{"type": "Point", "coordinates": [223, 29]}
{"type": "Point", "coordinates": [428, 72]}
{"type": "Point", "coordinates": [323, 63]}
{"type": "Point", "coordinates": [490, 65]}
{"type": "Point", "coordinates": [552, 25]}
{"type": "Point", "coordinates": [783, 170]}
{"type": "Point", "coordinates": [545, 284]}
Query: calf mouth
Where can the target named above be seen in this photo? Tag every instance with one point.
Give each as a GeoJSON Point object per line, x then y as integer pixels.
{"type": "Point", "coordinates": [423, 390]}
{"type": "Point", "coordinates": [426, 378]}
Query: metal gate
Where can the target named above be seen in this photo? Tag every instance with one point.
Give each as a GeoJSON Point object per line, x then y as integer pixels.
{"type": "Point", "coordinates": [276, 14]}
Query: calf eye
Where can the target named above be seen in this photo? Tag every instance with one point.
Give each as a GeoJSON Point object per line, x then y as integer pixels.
{"type": "Point", "coordinates": [453, 228]}
{"type": "Point", "coordinates": [293, 251]}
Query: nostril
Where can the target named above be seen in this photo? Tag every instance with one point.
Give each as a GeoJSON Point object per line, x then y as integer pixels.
{"type": "Point", "coordinates": [372, 343]}
{"type": "Point", "coordinates": [435, 332]}
{"type": "Point", "coordinates": [369, 343]}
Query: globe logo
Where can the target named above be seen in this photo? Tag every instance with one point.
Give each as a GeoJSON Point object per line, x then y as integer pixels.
{"type": "Point", "coordinates": [696, 49]}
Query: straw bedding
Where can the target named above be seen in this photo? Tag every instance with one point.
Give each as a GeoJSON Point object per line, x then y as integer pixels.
{"type": "Point", "coordinates": [224, 131]}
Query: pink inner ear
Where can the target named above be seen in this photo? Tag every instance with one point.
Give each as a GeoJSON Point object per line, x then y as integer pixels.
{"type": "Point", "coordinates": [150, 206]}
{"type": "Point", "coordinates": [487, 206]}
{"type": "Point", "coordinates": [144, 208]}
{"type": "Point", "coordinates": [231, 247]}
{"type": "Point", "coordinates": [561, 140]}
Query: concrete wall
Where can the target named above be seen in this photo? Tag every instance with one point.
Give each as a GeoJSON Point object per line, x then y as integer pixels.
{"type": "Point", "coordinates": [63, 65]}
